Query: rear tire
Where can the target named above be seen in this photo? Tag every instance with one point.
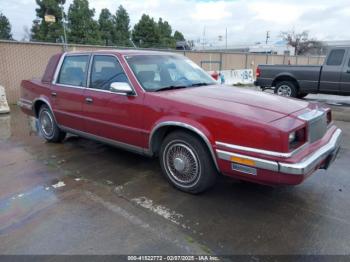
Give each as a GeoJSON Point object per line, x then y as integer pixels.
{"type": "Point", "coordinates": [48, 126]}
{"type": "Point", "coordinates": [286, 88]}
{"type": "Point", "coordinates": [187, 163]}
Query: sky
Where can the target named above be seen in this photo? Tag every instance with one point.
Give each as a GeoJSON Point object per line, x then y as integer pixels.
{"type": "Point", "coordinates": [247, 21]}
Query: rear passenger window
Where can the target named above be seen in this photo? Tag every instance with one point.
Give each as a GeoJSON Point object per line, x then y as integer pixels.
{"type": "Point", "coordinates": [106, 70]}
{"type": "Point", "coordinates": [73, 70]}
{"type": "Point", "coordinates": [335, 58]}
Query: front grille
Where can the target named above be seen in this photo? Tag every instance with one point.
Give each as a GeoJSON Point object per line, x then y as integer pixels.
{"type": "Point", "coordinates": [317, 124]}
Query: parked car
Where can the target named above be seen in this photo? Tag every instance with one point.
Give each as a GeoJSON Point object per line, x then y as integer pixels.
{"type": "Point", "coordinates": [333, 77]}
{"type": "Point", "coordinates": [164, 105]}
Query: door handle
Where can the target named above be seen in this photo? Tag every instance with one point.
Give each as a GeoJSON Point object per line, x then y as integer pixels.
{"type": "Point", "coordinates": [53, 94]}
{"type": "Point", "coordinates": [89, 100]}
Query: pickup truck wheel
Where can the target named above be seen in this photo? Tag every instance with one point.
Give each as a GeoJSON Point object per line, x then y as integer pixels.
{"type": "Point", "coordinates": [302, 95]}
{"type": "Point", "coordinates": [286, 88]}
{"type": "Point", "coordinates": [48, 127]}
{"type": "Point", "coordinates": [186, 162]}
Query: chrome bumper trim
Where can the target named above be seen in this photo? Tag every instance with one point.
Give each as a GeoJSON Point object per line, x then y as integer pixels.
{"type": "Point", "coordinates": [260, 163]}
{"type": "Point", "coordinates": [300, 168]}
{"type": "Point", "coordinates": [25, 103]}
{"type": "Point", "coordinates": [261, 151]}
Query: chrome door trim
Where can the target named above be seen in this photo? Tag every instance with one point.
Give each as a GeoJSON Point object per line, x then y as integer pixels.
{"type": "Point", "coordinates": [115, 143]}
{"type": "Point", "coordinates": [59, 65]}
{"type": "Point", "coordinates": [107, 91]}
{"type": "Point", "coordinates": [58, 68]}
{"type": "Point", "coordinates": [186, 126]}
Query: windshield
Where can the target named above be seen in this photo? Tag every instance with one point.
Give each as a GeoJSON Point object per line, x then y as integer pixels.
{"type": "Point", "coordinates": [161, 72]}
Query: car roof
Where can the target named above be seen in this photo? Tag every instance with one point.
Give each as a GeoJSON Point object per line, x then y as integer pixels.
{"type": "Point", "coordinates": [125, 52]}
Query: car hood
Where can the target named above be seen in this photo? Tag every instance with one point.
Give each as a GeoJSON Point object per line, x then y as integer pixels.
{"type": "Point", "coordinates": [237, 101]}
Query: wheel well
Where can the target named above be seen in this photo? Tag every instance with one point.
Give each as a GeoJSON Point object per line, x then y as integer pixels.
{"type": "Point", "coordinates": [285, 78]}
{"type": "Point", "coordinates": [38, 104]}
{"type": "Point", "coordinates": [162, 132]}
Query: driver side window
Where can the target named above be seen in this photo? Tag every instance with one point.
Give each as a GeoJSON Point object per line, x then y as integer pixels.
{"type": "Point", "coordinates": [104, 71]}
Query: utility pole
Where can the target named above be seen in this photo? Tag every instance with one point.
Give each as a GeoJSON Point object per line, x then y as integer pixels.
{"type": "Point", "coordinates": [64, 26]}
{"type": "Point", "coordinates": [203, 43]}
{"type": "Point", "coordinates": [267, 36]}
{"type": "Point", "coordinates": [226, 39]}
{"type": "Point", "coordinates": [267, 40]}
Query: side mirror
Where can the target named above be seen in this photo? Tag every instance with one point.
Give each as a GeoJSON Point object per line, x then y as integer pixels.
{"type": "Point", "coordinates": [121, 88]}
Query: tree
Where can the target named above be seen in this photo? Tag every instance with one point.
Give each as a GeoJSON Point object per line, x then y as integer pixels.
{"type": "Point", "coordinates": [106, 26]}
{"type": "Point", "coordinates": [48, 31]}
{"type": "Point", "coordinates": [178, 36]}
{"type": "Point", "coordinates": [121, 33]}
{"type": "Point", "coordinates": [301, 42]}
{"type": "Point", "coordinates": [145, 32]}
{"type": "Point", "coordinates": [165, 31]}
{"type": "Point", "coordinates": [5, 28]}
{"type": "Point", "coordinates": [83, 29]}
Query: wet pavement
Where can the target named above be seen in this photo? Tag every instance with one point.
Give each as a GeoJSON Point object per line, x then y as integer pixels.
{"type": "Point", "coordinates": [83, 197]}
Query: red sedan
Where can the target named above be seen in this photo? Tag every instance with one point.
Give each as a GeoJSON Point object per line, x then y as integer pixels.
{"type": "Point", "coordinates": [164, 105]}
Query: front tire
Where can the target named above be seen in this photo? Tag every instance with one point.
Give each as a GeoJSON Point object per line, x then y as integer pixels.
{"type": "Point", "coordinates": [48, 126]}
{"type": "Point", "coordinates": [286, 88]}
{"type": "Point", "coordinates": [186, 162]}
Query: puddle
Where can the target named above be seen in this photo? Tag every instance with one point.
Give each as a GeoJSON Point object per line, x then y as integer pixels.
{"type": "Point", "coordinates": [18, 208]}
{"type": "Point", "coordinates": [17, 125]}
{"type": "Point", "coordinates": [5, 127]}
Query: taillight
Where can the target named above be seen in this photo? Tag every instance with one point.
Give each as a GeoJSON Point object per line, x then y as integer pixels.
{"type": "Point", "coordinates": [258, 72]}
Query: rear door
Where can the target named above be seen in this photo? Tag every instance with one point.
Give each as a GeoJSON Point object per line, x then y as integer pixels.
{"type": "Point", "coordinates": [111, 115]}
{"type": "Point", "coordinates": [332, 70]}
{"type": "Point", "coordinates": [68, 91]}
{"type": "Point", "coordinates": [345, 77]}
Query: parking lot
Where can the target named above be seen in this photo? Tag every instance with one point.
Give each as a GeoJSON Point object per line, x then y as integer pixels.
{"type": "Point", "coordinates": [83, 197]}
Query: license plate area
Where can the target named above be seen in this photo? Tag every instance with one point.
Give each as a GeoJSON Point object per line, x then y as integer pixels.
{"type": "Point", "coordinates": [244, 169]}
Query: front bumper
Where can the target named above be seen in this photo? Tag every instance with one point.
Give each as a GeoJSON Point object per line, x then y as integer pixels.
{"type": "Point", "coordinates": [321, 158]}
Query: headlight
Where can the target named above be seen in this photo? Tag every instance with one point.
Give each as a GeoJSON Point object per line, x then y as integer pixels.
{"type": "Point", "coordinates": [296, 138]}
{"type": "Point", "coordinates": [292, 137]}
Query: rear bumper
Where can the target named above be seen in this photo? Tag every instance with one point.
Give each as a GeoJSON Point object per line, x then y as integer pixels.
{"type": "Point", "coordinates": [263, 82]}
{"type": "Point", "coordinates": [25, 104]}
{"type": "Point", "coordinates": [321, 158]}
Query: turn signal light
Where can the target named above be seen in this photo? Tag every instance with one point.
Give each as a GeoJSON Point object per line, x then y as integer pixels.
{"type": "Point", "coordinates": [243, 161]}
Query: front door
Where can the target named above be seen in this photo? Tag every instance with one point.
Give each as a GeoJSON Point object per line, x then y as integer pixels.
{"type": "Point", "coordinates": [110, 115]}
{"type": "Point", "coordinates": [68, 91]}
{"type": "Point", "coordinates": [345, 77]}
{"type": "Point", "coordinates": [331, 71]}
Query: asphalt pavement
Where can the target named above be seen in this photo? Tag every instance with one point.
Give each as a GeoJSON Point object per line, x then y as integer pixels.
{"type": "Point", "coordinates": [84, 197]}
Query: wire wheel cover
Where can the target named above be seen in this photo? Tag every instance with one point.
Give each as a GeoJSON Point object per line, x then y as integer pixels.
{"type": "Point", "coordinates": [181, 163]}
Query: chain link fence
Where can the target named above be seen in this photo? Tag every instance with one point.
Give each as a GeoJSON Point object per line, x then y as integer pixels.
{"type": "Point", "coordinates": [27, 60]}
